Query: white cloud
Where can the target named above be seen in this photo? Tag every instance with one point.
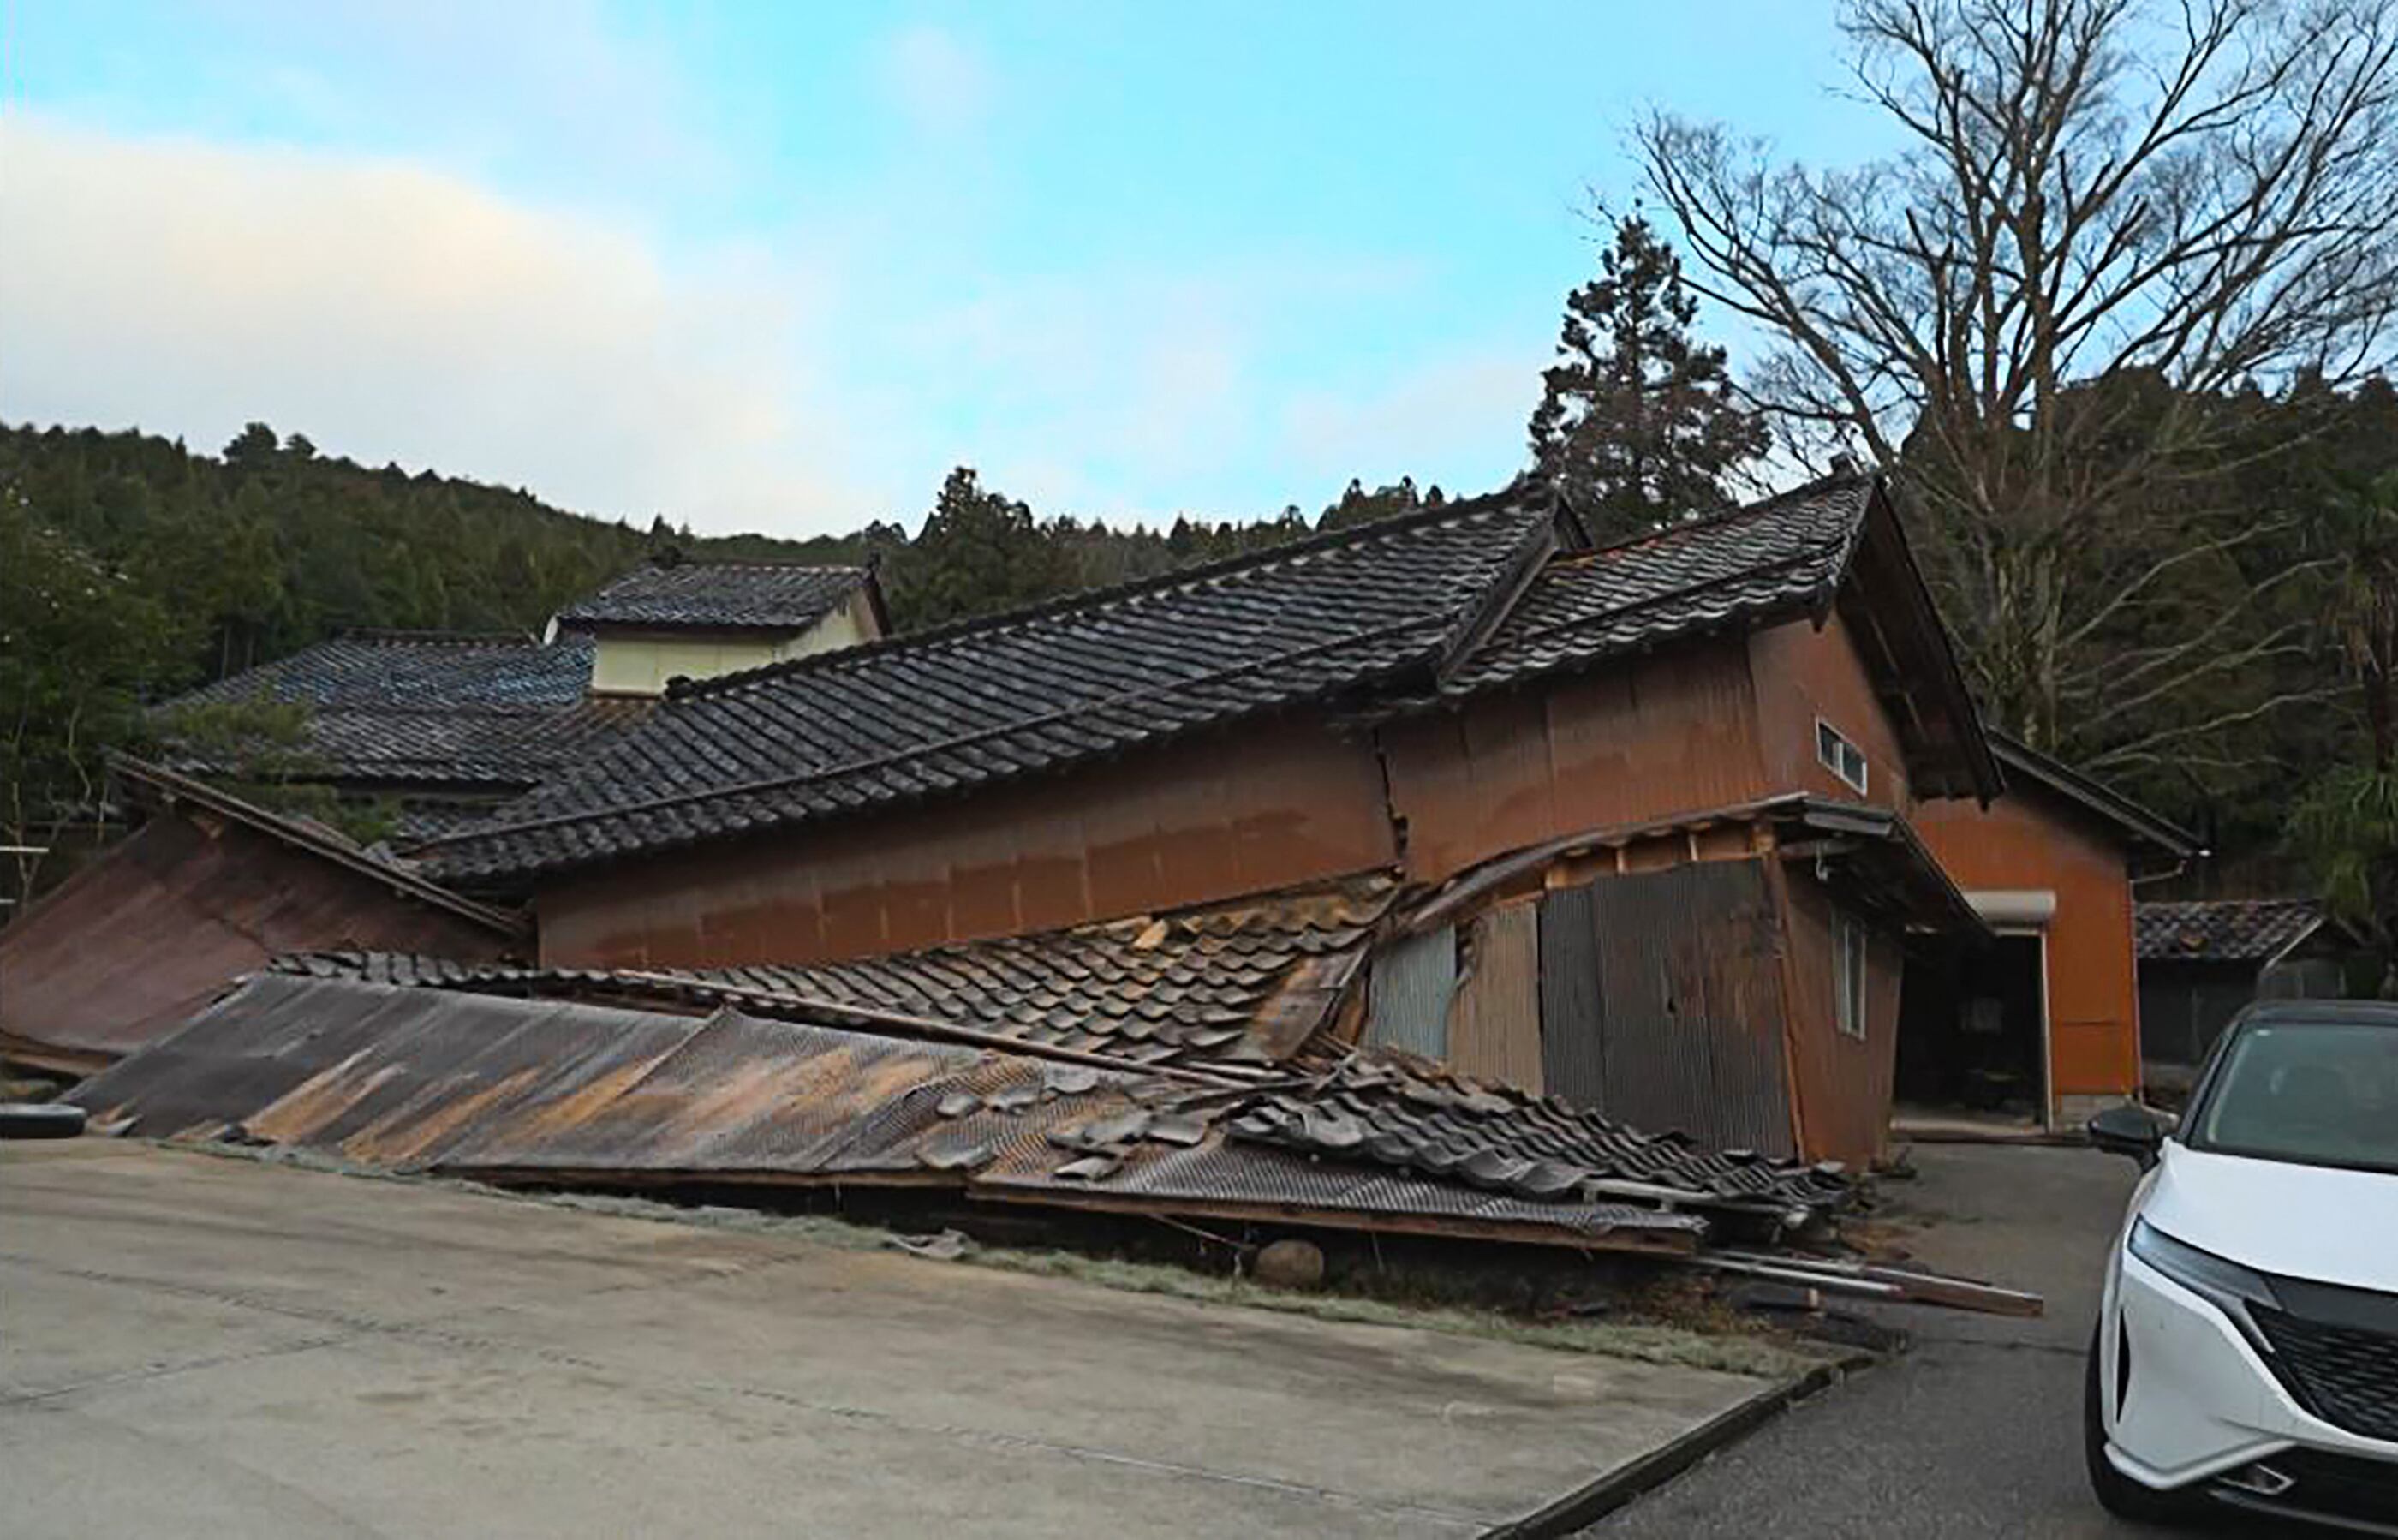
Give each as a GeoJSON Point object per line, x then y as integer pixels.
{"type": "Point", "coordinates": [390, 311]}
{"type": "Point", "coordinates": [938, 83]}
{"type": "Point", "coordinates": [1427, 421]}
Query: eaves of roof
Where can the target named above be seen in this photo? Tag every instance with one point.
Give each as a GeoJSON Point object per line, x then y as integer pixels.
{"type": "Point", "coordinates": [2142, 826]}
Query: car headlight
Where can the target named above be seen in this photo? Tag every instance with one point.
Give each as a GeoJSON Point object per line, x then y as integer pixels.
{"type": "Point", "coordinates": [2225, 1285]}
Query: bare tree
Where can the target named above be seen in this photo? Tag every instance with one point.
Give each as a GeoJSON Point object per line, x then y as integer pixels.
{"type": "Point", "coordinates": [2109, 220]}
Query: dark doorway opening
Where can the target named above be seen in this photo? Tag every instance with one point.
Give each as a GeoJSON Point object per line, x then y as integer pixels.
{"type": "Point", "coordinates": [1973, 1031]}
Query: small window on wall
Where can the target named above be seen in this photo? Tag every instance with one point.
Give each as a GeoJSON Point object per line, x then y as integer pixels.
{"type": "Point", "coordinates": [1849, 975]}
{"type": "Point", "coordinates": [1840, 756]}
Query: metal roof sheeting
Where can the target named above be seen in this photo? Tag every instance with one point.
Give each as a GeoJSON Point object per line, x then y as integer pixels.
{"type": "Point", "coordinates": [468, 1083]}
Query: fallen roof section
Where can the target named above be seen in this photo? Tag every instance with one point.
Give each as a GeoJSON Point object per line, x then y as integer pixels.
{"type": "Point", "coordinates": [477, 1085]}
{"type": "Point", "coordinates": [1228, 986]}
{"type": "Point", "coordinates": [210, 887]}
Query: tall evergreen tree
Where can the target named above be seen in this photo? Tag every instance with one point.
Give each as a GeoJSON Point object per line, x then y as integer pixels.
{"type": "Point", "coordinates": [979, 551]}
{"type": "Point", "coordinates": [1638, 424]}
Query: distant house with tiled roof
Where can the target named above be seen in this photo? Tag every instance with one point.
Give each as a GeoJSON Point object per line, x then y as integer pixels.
{"type": "Point", "coordinates": [698, 619]}
{"type": "Point", "coordinates": [448, 726]}
{"type": "Point", "coordinates": [1648, 800]}
{"type": "Point", "coordinates": [2202, 959]}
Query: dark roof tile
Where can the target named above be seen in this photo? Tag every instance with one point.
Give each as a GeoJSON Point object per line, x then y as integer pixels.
{"type": "Point", "coordinates": [715, 595]}
{"type": "Point", "coordinates": [1093, 987]}
{"type": "Point", "coordinates": [493, 712]}
{"type": "Point", "coordinates": [1783, 554]}
{"type": "Point", "coordinates": [2224, 930]}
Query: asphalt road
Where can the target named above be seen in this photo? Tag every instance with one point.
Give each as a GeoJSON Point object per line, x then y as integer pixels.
{"type": "Point", "coordinates": [1977, 1431]}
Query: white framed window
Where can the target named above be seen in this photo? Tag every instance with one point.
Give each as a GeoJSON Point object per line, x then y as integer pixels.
{"type": "Point", "coordinates": [1840, 756]}
{"type": "Point", "coordinates": [1849, 951]}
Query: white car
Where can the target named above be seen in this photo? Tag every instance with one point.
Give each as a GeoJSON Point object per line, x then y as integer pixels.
{"type": "Point", "coordinates": [2246, 1353]}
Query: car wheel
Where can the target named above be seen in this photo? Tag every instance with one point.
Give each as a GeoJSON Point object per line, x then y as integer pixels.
{"type": "Point", "coordinates": [2118, 1493]}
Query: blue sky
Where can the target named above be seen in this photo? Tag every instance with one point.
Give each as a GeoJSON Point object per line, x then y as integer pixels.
{"type": "Point", "coordinates": [780, 266]}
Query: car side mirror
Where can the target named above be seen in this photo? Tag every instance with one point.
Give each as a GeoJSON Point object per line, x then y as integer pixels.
{"type": "Point", "coordinates": [2128, 1130]}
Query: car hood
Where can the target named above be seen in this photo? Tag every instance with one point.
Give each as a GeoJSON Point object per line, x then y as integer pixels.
{"type": "Point", "coordinates": [2302, 1221]}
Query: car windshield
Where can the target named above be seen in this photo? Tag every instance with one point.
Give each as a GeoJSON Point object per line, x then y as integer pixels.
{"type": "Point", "coordinates": [2321, 1093]}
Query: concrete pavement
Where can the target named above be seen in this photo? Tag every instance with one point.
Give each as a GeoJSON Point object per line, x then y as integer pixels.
{"type": "Point", "coordinates": [191, 1344]}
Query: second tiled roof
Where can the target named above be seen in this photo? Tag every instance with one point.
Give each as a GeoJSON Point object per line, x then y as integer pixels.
{"type": "Point", "coordinates": [709, 594]}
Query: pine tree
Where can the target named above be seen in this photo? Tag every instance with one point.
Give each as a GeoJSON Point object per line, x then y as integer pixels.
{"type": "Point", "coordinates": [1636, 424]}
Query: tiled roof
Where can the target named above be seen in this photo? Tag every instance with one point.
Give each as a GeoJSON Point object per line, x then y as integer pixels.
{"type": "Point", "coordinates": [1034, 691]}
{"type": "Point", "coordinates": [1781, 555]}
{"type": "Point", "coordinates": [1238, 984]}
{"type": "Point", "coordinates": [433, 708]}
{"type": "Point", "coordinates": [1391, 1109]}
{"type": "Point", "coordinates": [419, 670]}
{"type": "Point", "coordinates": [717, 594]}
{"type": "Point", "coordinates": [2224, 930]}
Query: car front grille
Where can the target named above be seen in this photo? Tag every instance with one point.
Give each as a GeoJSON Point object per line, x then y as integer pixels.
{"type": "Point", "coordinates": [2347, 1375]}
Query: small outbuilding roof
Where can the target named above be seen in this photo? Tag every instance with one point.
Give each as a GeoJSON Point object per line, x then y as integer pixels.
{"type": "Point", "coordinates": [717, 596]}
{"type": "Point", "coordinates": [2224, 930]}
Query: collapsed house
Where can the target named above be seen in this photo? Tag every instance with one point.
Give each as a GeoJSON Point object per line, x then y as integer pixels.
{"type": "Point", "coordinates": [1189, 1066]}
{"type": "Point", "coordinates": [207, 887]}
{"type": "Point", "coordinates": [1664, 784]}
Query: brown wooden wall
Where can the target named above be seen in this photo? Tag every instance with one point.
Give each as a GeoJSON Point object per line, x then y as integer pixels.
{"type": "Point", "coordinates": [1670, 732]}
{"type": "Point", "coordinates": [1255, 807]}
{"type": "Point", "coordinates": [1803, 673]}
{"type": "Point", "coordinates": [1840, 1086]}
{"type": "Point", "coordinates": [149, 931]}
{"type": "Point", "coordinates": [1273, 805]}
{"type": "Point", "coordinates": [2031, 839]}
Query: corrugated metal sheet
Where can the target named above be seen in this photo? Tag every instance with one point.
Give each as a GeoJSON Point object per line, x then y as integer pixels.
{"type": "Point", "coordinates": [1409, 992]}
{"type": "Point", "coordinates": [474, 1083]}
{"type": "Point", "coordinates": [1572, 1061]}
{"type": "Point", "coordinates": [1690, 1008]}
{"type": "Point", "coordinates": [1495, 1027]}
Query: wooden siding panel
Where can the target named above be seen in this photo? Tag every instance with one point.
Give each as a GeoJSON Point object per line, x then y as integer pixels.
{"type": "Point", "coordinates": [1270, 806]}
{"type": "Point", "coordinates": [1804, 673]}
{"type": "Point", "coordinates": [2030, 839]}
{"type": "Point", "coordinates": [1841, 1087]}
{"type": "Point", "coordinates": [1651, 735]}
{"type": "Point", "coordinates": [1494, 1028]}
